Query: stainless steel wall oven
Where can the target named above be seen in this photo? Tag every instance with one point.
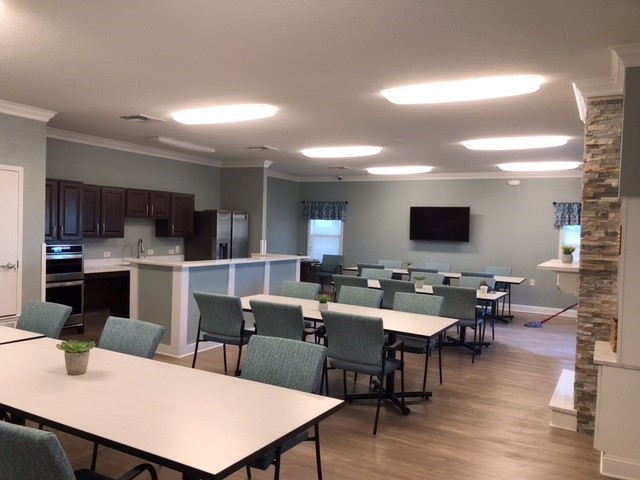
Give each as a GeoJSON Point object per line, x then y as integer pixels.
{"type": "Point", "coordinates": [65, 280]}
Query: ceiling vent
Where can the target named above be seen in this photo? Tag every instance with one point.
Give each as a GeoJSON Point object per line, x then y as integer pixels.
{"type": "Point", "coordinates": [263, 148]}
{"type": "Point", "coordinates": [141, 118]}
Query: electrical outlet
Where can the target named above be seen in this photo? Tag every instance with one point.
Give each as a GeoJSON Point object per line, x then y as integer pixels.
{"type": "Point", "coordinates": [532, 282]}
{"type": "Point", "coordinates": [149, 252]}
{"type": "Point", "coordinates": [177, 248]}
{"type": "Point", "coordinates": [171, 251]}
{"type": "Point", "coordinates": [106, 254]}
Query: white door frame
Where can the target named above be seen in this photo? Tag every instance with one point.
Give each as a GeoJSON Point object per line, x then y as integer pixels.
{"type": "Point", "coordinates": [20, 206]}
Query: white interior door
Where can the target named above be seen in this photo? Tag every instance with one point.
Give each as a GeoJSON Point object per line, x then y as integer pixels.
{"type": "Point", "coordinates": [10, 241]}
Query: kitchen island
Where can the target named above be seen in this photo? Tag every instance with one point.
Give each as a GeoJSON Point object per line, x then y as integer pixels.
{"type": "Point", "coordinates": [162, 291]}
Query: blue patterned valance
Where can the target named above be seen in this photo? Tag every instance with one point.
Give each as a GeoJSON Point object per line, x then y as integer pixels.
{"type": "Point", "coordinates": [324, 211]}
{"type": "Point", "coordinates": [567, 213]}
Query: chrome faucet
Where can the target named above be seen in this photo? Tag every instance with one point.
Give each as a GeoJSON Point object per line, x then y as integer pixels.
{"type": "Point", "coordinates": [140, 249]}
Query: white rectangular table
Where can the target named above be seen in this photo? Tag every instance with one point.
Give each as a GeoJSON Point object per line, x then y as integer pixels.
{"type": "Point", "coordinates": [13, 335]}
{"type": "Point", "coordinates": [200, 423]}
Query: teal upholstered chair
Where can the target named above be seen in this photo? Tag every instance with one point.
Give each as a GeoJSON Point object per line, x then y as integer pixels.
{"type": "Point", "coordinates": [390, 263]}
{"type": "Point", "coordinates": [281, 320]}
{"type": "Point", "coordinates": [391, 287]}
{"type": "Point", "coordinates": [376, 273]}
{"type": "Point", "coordinates": [368, 265]}
{"type": "Point", "coordinates": [424, 305]}
{"type": "Point", "coordinates": [460, 303]}
{"type": "Point", "coordinates": [133, 337]}
{"type": "Point", "coordinates": [438, 267]}
{"type": "Point", "coordinates": [222, 321]}
{"type": "Point", "coordinates": [305, 290]}
{"type": "Point", "coordinates": [46, 318]}
{"type": "Point", "coordinates": [432, 278]}
{"type": "Point", "coordinates": [364, 297]}
{"type": "Point", "coordinates": [502, 271]}
{"type": "Point", "coordinates": [28, 453]}
{"type": "Point", "coordinates": [419, 271]}
{"type": "Point", "coordinates": [473, 281]}
{"type": "Point", "coordinates": [331, 264]}
{"type": "Point", "coordinates": [289, 364]}
{"type": "Point", "coordinates": [501, 286]}
{"type": "Point", "coordinates": [357, 344]}
{"type": "Point", "coordinates": [340, 281]}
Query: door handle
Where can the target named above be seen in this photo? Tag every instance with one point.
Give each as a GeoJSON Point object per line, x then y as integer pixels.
{"type": "Point", "coordinates": [9, 266]}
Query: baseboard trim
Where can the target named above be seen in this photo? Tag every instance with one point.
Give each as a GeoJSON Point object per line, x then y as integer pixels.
{"type": "Point", "coordinates": [616, 467]}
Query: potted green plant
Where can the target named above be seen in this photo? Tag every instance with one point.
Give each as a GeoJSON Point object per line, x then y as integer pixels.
{"type": "Point", "coordinates": [323, 302]}
{"type": "Point", "coordinates": [567, 253]}
{"type": "Point", "coordinates": [76, 355]}
{"type": "Point", "coordinates": [419, 280]}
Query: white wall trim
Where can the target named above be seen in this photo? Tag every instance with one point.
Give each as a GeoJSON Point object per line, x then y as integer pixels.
{"type": "Point", "coordinates": [25, 111]}
{"type": "Point", "coordinates": [246, 163]}
{"type": "Point", "coordinates": [616, 467]}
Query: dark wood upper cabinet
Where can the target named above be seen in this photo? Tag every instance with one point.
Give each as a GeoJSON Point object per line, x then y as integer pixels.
{"type": "Point", "coordinates": [103, 211]}
{"type": "Point", "coordinates": [63, 210]}
{"type": "Point", "coordinates": [180, 221]}
{"type": "Point", "coordinates": [147, 203]}
{"type": "Point", "coordinates": [91, 210]}
{"type": "Point", "coordinates": [160, 204]}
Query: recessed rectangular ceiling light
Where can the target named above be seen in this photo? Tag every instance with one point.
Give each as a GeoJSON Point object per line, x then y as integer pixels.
{"type": "Point", "coordinates": [224, 114]}
{"type": "Point", "coordinates": [538, 166]}
{"type": "Point", "coordinates": [464, 90]}
{"type": "Point", "coordinates": [341, 152]}
{"type": "Point", "coordinates": [516, 143]}
{"type": "Point", "coordinates": [405, 170]}
{"type": "Point", "coordinates": [184, 145]}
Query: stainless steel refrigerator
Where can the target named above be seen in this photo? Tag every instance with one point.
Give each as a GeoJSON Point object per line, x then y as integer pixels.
{"type": "Point", "coordinates": [218, 234]}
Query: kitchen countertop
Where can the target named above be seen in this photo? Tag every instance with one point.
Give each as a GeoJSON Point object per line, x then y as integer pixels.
{"type": "Point", "coordinates": [255, 258]}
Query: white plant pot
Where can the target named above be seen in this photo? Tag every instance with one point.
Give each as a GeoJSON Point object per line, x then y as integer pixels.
{"type": "Point", "coordinates": [76, 363]}
{"type": "Point", "coordinates": [419, 283]}
{"type": "Point", "coordinates": [566, 258]}
{"type": "Point", "coordinates": [323, 306]}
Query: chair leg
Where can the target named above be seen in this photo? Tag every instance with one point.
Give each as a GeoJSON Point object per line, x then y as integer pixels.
{"type": "Point", "coordinates": [316, 428]}
{"type": "Point", "coordinates": [224, 356]}
{"type": "Point", "coordinates": [440, 340]}
{"type": "Point", "coordinates": [248, 472]}
{"type": "Point", "coordinates": [426, 369]}
{"type": "Point", "coordinates": [276, 472]}
{"type": "Point", "coordinates": [380, 392]}
{"type": "Point", "coordinates": [94, 457]}
{"type": "Point", "coordinates": [473, 349]}
{"type": "Point", "coordinates": [195, 352]}
{"type": "Point", "coordinates": [238, 362]}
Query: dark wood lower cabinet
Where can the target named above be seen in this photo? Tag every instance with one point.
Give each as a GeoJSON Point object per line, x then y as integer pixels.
{"type": "Point", "coordinates": [107, 291]}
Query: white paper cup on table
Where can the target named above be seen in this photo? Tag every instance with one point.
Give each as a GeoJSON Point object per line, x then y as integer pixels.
{"type": "Point", "coordinates": [483, 290]}
{"type": "Point", "coordinates": [263, 247]}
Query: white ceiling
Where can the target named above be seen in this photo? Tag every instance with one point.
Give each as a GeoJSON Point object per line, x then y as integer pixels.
{"type": "Point", "coordinates": [323, 63]}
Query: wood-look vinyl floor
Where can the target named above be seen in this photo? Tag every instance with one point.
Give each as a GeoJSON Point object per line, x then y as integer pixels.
{"type": "Point", "coordinates": [489, 420]}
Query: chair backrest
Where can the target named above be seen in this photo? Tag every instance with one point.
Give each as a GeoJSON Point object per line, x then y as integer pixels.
{"type": "Point", "coordinates": [459, 302]}
{"type": "Point", "coordinates": [344, 280]}
{"type": "Point", "coordinates": [285, 363]}
{"type": "Point", "coordinates": [364, 297]}
{"type": "Point", "coordinates": [433, 278]}
{"type": "Point", "coordinates": [331, 263]}
{"type": "Point", "coordinates": [354, 338]}
{"type": "Point", "coordinates": [133, 337]}
{"type": "Point", "coordinates": [419, 271]}
{"type": "Point", "coordinates": [503, 271]}
{"type": "Point", "coordinates": [46, 318]}
{"type": "Point", "coordinates": [438, 267]}
{"type": "Point", "coordinates": [304, 290]}
{"type": "Point", "coordinates": [418, 303]}
{"type": "Point", "coordinates": [475, 282]}
{"type": "Point", "coordinates": [278, 320]}
{"type": "Point", "coordinates": [390, 263]}
{"type": "Point", "coordinates": [376, 273]}
{"type": "Point", "coordinates": [368, 265]}
{"type": "Point", "coordinates": [477, 274]}
{"type": "Point", "coordinates": [30, 453]}
{"type": "Point", "coordinates": [220, 314]}
{"type": "Point", "coordinates": [391, 287]}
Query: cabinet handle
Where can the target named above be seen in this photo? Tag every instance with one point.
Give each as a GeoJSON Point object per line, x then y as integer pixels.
{"type": "Point", "coordinates": [147, 210]}
{"type": "Point", "coordinates": [97, 228]}
{"type": "Point", "coordinates": [53, 231]}
{"type": "Point", "coordinates": [172, 229]}
{"type": "Point", "coordinates": [61, 231]}
{"type": "Point", "coordinates": [152, 210]}
{"type": "Point", "coordinates": [103, 228]}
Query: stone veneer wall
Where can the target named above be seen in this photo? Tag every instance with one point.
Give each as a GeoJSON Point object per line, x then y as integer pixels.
{"type": "Point", "coordinates": [598, 291]}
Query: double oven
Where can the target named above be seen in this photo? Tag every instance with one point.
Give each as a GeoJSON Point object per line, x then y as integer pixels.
{"type": "Point", "coordinates": [64, 280]}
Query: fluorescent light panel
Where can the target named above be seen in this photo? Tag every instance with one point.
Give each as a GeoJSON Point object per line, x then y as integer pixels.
{"type": "Point", "coordinates": [516, 143]}
{"type": "Point", "coordinates": [404, 170]}
{"type": "Point", "coordinates": [464, 91]}
{"type": "Point", "coordinates": [184, 145]}
{"type": "Point", "coordinates": [224, 114]}
{"type": "Point", "coordinates": [341, 152]}
{"type": "Point", "coordinates": [538, 166]}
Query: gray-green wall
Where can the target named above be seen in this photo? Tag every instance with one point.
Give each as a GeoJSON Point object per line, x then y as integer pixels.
{"type": "Point", "coordinates": [282, 216]}
{"type": "Point", "coordinates": [23, 144]}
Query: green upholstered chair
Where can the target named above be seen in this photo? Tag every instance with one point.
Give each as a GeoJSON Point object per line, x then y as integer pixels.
{"type": "Point", "coordinates": [473, 281]}
{"type": "Point", "coordinates": [289, 364]}
{"type": "Point", "coordinates": [281, 320]}
{"type": "Point", "coordinates": [420, 271]}
{"type": "Point", "coordinates": [390, 263]}
{"type": "Point", "coordinates": [424, 305]}
{"type": "Point", "coordinates": [222, 321]}
{"type": "Point", "coordinates": [330, 265]}
{"type": "Point", "coordinates": [503, 271]}
{"type": "Point", "coordinates": [438, 267]}
{"type": "Point", "coordinates": [376, 273]}
{"type": "Point", "coordinates": [46, 318]}
{"type": "Point", "coordinates": [501, 286]}
{"type": "Point", "coordinates": [133, 337]}
{"type": "Point", "coordinates": [340, 281]}
{"type": "Point", "coordinates": [460, 303]}
{"type": "Point", "coordinates": [433, 278]}
{"type": "Point", "coordinates": [368, 265]}
{"type": "Point", "coordinates": [391, 287]}
{"type": "Point", "coordinates": [357, 344]}
{"type": "Point", "coordinates": [28, 453]}
{"type": "Point", "coordinates": [305, 290]}
{"type": "Point", "coordinates": [364, 297]}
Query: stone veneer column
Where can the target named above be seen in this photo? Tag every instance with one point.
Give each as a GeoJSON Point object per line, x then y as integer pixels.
{"type": "Point", "coordinates": [598, 291]}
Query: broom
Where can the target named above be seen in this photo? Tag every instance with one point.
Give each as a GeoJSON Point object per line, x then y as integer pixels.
{"type": "Point", "coordinates": [539, 323]}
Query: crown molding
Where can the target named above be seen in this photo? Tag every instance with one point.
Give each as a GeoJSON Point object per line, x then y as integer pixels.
{"type": "Point", "coordinates": [246, 163]}
{"type": "Point", "coordinates": [283, 176]}
{"type": "Point", "coordinates": [25, 111]}
{"type": "Point", "coordinates": [129, 147]}
{"type": "Point", "coordinates": [622, 56]}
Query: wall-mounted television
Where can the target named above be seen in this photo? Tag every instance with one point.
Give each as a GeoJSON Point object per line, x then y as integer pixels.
{"type": "Point", "coordinates": [441, 224]}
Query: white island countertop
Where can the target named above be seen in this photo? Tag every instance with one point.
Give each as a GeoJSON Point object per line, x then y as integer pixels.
{"type": "Point", "coordinates": [255, 258]}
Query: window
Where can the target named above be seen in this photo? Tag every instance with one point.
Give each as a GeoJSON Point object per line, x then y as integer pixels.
{"type": "Point", "coordinates": [324, 237]}
{"type": "Point", "coordinates": [570, 235]}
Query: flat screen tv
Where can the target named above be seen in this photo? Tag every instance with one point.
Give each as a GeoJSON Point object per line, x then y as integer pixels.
{"type": "Point", "coordinates": [440, 224]}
